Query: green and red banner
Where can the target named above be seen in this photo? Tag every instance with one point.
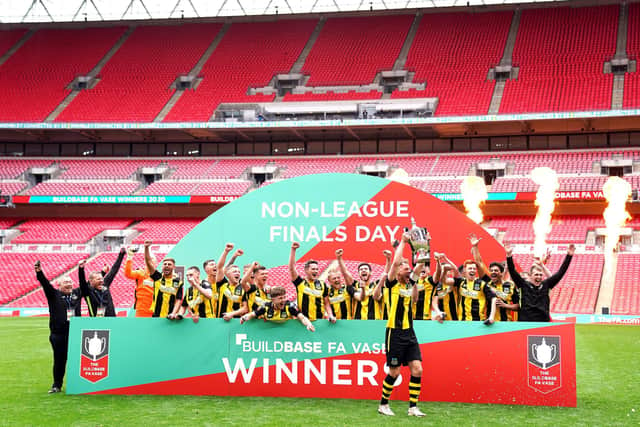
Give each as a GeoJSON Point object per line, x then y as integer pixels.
{"type": "Point", "coordinates": [360, 214]}
{"type": "Point", "coordinates": [506, 363]}
{"type": "Point", "coordinates": [510, 363]}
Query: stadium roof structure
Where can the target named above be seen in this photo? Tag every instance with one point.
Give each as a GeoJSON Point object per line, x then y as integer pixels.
{"type": "Point", "coordinates": [116, 10]}
{"type": "Point", "coordinates": [319, 130]}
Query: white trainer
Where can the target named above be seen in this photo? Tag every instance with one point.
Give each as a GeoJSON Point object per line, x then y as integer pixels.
{"type": "Point", "coordinates": [385, 410]}
{"type": "Point", "coordinates": [414, 411]}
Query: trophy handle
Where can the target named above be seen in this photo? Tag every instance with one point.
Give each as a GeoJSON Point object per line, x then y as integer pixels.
{"type": "Point", "coordinates": [553, 351]}
{"type": "Point", "coordinates": [86, 345]}
{"type": "Point", "coordinates": [534, 347]}
{"type": "Point", "coordinates": [103, 342]}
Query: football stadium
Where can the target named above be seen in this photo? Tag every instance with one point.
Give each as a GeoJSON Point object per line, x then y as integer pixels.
{"type": "Point", "coordinates": [319, 212]}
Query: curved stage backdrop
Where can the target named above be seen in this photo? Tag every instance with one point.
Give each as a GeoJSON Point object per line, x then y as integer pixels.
{"type": "Point", "coordinates": [510, 363]}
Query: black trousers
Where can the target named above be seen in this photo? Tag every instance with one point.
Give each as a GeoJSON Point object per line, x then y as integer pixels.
{"type": "Point", "coordinates": [59, 343]}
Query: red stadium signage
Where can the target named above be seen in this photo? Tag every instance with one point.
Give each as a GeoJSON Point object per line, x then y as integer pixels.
{"type": "Point", "coordinates": [579, 195]}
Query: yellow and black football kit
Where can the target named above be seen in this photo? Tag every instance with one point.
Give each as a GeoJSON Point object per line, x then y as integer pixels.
{"type": "Point", "coordinates": [165, 293]}
{"type": "Point", "coordinates": [368, 308]}
{"type": "Point", "coordinates": [401, 342]}
{"type": "Point", "coordinates": [385, 303]}
{"type": "Point", "coordinates": [197, 303]}
{"type": "Point", "coordinates": [255, 297]}
{"type": "Point", "coordinates": [448, 300]}
{"type": "Point", "coordinates": [475, 296]}
{"type": "Point", "coordinates": [340, 300]}
{"type": "Point", "coordinates": [230, 297]}
{"type": "Point", "coordinates": [310, 297]}
{"type": "Point", "coordinates": [508, 293]}
{"type": "Point", "coordinates": [422, 307]}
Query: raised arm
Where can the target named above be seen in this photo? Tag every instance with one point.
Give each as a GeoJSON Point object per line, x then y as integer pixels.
{"type": "Point", "coordinates": [44, 282]}
{"type": "Point", "coordinates": [397, 257]}
{"type": "Point", "coordinates": [245, 282]}
{"type": "Point", "coordinates": [292, 261]}
{"type": "Point", "coordinates": [377, 291]}
{"type": "Point", "coordinates": [452, 266]}
{"type": "Point", "coordinates": [129, 272]}
{"type": "Point", "coordinates": [552, 281]}
{"type": "Point", "coordinates": [515, 276]}
{"type": "Point", "coordinates": [114, 268]}
{"type": "Point", "coordinates": [151, 268]}
{"type": "Point", "coordinates": [237, 254]}
{"type": "Point", "coordinates": [482, 268]}
{"type": "Point", "coordinates": [223, 258]}
{"type": "Point", "coordinates": [437, 274]}
{"type": "Point", "coordinates": [388, 259]}
{"type": "Point", "coordinates": [84, 285]}
{"type": "Point", "coordinates": [348, 278]}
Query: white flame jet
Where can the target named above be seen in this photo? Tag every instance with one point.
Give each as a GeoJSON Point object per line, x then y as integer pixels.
{"type": "Point", "coordinates": [617, 191]}
{"type": "Point", "coordinates": [474, 194]}
{"type": "Point", "coordinates": [548, 183]}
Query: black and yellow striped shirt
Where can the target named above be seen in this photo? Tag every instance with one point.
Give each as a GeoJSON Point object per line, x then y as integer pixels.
{"type": "Point", "coordinates": [255, 297]}
{"type": "Point", "coordinates": [310, 297]}
{"type": "Point", "coordinates": [399, 304]}
{"type": "Point", "coordinates": [368, 308]}
{"type": "Point", "coordinates": [474, 298]}
{"type": "Point", "coordinates": [197, 303]}
{"type": "Point", "coordinates": [448, 300]}
{"type": "Point", "coordinates": [385, 303]}
{"type": "Point", "coordinates": [508, 293]}
{"type": "Point", "coordinates": [230, 297]}
{"type": "Point", "coordinates": [340, 300]}
{"type": "Point", "coordinates": [422, 307]}
{"type": "Point", "coordinates": [165, 293]}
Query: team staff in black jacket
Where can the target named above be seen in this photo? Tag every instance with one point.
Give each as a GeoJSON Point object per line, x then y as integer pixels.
{"type": "Point", "coordinates": [534, 294]}
{"type": "Point", "coordinates": [64, 303]}
{"type": "Point", "coordinates": [96, 292]}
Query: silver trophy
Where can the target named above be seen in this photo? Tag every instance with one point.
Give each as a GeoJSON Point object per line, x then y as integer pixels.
{"type": "Point", "coordinates": [420, 242]}
{"type": "Point", "coordinates": [95, 345]}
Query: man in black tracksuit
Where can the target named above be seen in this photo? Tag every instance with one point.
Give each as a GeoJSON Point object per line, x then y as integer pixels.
{"type": "Point", "coordinates": [63, 304]}
{"type": "Point", "coordinates": [534, 294]}
{"type": "Point", "coordinates": [96, 292]}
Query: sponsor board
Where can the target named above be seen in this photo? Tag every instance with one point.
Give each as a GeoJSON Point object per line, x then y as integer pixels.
{"type": "Point", "coordinates": [468, 361]}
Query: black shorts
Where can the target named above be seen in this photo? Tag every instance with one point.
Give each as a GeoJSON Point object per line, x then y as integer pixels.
{"type": "Point", "coordinates": [402, 347]}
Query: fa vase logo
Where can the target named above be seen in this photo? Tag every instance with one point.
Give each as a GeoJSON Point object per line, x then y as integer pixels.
{"type": "Point", "coordinates": [544, 367]}
{"type": "Point", "coordinates": [544, 353]}
{"type": "Point", "coordinates": [94, 363]}
{"type": "Point", "coordinates": [95, 345]}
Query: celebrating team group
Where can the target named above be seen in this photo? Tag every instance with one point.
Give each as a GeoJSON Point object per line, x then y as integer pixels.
{"type": "Point", "coordinates": [402, 294]}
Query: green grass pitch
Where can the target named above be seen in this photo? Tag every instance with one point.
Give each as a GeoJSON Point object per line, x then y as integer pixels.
{"type": "Point", "coordinates": [608, 375]}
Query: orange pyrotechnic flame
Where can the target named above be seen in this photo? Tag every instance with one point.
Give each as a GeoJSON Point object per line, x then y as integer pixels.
{"type": "Point", "coordinates": [474, 194]}
{"type": "Point", "coordinates": [548, 183]}
{"type": "Point", "coordinates": [617, 192]}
